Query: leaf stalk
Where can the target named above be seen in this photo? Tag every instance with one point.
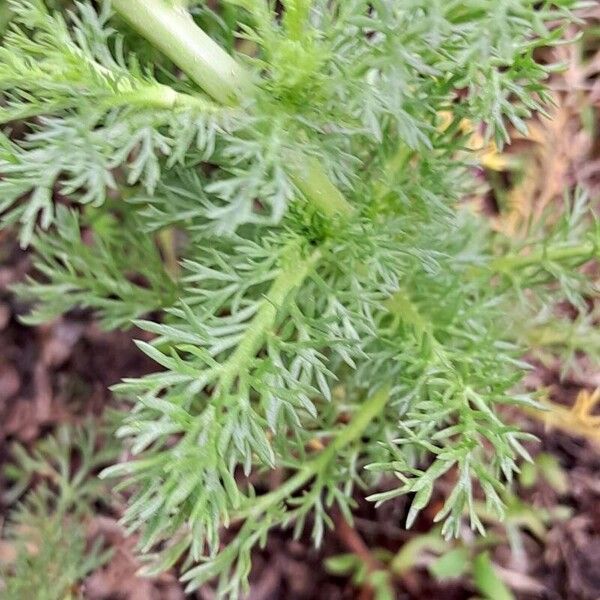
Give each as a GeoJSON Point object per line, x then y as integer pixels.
{"type": "Point", "coordinates": [294, 271]}
{"type": "Point", "coordinates": [173, 31]}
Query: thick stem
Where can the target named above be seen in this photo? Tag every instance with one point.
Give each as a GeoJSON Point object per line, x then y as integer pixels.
{"type": "Point", "coordinates": [173, 31]}
{"type": "Point", "coordinates": [562, 334]}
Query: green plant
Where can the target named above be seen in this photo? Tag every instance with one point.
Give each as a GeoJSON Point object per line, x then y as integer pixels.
{"type": "Point", "coordinates": [45, 536]}
{"type": "Point", "coordinates": [465, 559]}
{"type": "Point", "coordinates": [287, 221]}
{"type": "Point", "coordinates": [455, 562]}
{"type": "Point", "coordinates": [377, 580]}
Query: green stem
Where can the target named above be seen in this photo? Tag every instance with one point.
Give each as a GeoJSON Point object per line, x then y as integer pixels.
{"type": "Point", "coordinates": [368, 411]}
{"type": "Point", "coordinates": [310, 178]}
{"type": "Point", "coordinates": [5, 16]}
{"type": "Point", "coordinates": [293, 272]}
{"type": "Point", "coordinates": [173, 31]}
{"type": "Point", "coordinates": [160, 97]}
{"type": "Point", "coordinates": [583, 251]}
{"type": "Point", "coordinates": [391, 169]}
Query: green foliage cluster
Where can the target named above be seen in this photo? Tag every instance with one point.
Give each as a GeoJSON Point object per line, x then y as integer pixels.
{"type": "Point", "coordinates": [332, 305]}
{"type": "Point", "coordinates": [54, 487]}
{"type": "Point", "coordinates": [452, 559]}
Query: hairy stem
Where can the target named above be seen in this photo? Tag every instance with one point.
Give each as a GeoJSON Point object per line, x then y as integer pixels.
{"type": "Point", "coordinates": [155, 96]}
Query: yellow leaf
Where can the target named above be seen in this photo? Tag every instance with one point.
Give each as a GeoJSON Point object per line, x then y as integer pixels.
{"type": "Point", "coordinates": [576, 420]}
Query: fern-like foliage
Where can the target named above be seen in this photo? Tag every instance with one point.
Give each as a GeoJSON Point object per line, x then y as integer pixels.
{"type": "Point", "coordinates": [331, 305]}
{"type": "Point", "coordinates": [46, 531]}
